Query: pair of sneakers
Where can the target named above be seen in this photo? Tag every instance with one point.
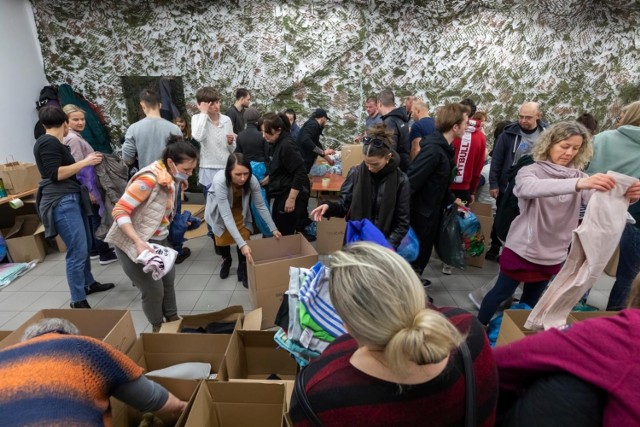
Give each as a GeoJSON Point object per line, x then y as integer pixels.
{"type": "Point", "coordinates": [104, 259]}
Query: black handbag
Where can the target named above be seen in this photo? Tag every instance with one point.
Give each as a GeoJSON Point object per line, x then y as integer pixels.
{"type": "Point", "coordinates": [470, 392]}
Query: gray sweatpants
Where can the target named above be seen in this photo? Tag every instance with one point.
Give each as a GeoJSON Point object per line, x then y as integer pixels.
{"type": "Point", "coordinates": [158, 296]}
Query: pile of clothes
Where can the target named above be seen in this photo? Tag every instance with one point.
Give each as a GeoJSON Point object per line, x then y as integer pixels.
{"type": "Point", "coordinates": [313, 322]}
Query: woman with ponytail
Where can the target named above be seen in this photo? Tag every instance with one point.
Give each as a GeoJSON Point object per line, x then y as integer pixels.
{"type": "Point", "coordinates": [400, 363]}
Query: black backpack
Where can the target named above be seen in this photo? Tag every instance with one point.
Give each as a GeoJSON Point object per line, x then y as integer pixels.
{"type": "Point", "coordinates": [508, 209]}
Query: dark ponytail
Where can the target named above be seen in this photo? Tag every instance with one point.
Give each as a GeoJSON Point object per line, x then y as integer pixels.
{"type": "Point", "coordinates": [272, 122]}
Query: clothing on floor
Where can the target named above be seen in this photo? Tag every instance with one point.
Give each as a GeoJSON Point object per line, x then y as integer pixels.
{"type": "Point", "coordinates": [592, 246]}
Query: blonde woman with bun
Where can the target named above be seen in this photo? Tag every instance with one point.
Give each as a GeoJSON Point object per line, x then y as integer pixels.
{"type": "Point", "coordinates": [400, 363]}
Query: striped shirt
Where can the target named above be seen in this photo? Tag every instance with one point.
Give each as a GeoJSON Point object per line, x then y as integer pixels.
{"type": "Point", "coordinates": [61, 380]}
{"type": "Point", "coordinates": [137, 193]}
{"type": "Point", "coordinates": [342, 395]}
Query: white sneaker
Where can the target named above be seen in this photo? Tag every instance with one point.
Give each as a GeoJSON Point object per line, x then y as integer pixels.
{"type": "Point", "coordinates": [446, 269]}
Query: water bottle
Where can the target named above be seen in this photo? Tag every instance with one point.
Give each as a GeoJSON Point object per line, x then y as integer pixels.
{"type": "Point", "coordinates": [3, 192]}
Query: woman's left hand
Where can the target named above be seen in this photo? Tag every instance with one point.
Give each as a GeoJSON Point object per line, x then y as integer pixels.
{"type": "Point", "coordinates": [277, 234]}
{"type": "Point", "coordinates": [633, 192]}
{"type": "Point", "coordinates": [246, 251]}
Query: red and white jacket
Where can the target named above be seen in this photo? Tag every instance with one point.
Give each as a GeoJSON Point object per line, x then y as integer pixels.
{"type": "Point", "coordinates": [470, 153]}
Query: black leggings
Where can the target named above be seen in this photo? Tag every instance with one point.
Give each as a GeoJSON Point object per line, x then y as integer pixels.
{"type": "Point", "coordinates": [225, 252]}
{"type": "Point", "coordinates": [289, 222]}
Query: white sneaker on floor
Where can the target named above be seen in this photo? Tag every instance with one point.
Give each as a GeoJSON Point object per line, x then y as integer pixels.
{"type": "Point", "coordinates": [446, 269]}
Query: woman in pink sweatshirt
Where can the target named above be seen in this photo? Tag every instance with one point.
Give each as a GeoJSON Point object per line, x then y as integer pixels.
{"type": "Point", "coordinates": [550, 193]}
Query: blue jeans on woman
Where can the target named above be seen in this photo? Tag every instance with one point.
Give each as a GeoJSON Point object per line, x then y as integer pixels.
{"type": "Point", "coordinates": [504, 288]}
{"type": "Point", "coordinates": [628, 267]}
{"type": "Point", "coordinates": [73, 228]}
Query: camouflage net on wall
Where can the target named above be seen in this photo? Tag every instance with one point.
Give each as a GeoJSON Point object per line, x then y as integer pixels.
{"type": "Point", "coordinates": [570, 55]}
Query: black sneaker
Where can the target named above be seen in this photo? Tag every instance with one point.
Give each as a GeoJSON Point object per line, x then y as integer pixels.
{"type": "Point", "coordinates": [108, 258]}
{"type": "Point", "coordinates": [226, 266]}
{"type": "Point", "coordinates": [98, 287]}
{"type": "Point", "coordinates": [94, 255]}
{"type": "Point", "coordinates": [426, 283]}
{"type": "Point", "coordinates": [242, 274]}
{"type": "Point", "coordinates": [493, 253]}
{"type": "Point", "coordinates": [80, 304]}
{"type": "Point", "coordinates": [186, 253]}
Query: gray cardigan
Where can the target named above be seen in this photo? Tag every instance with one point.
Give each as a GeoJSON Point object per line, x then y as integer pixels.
{"type": "Point", "coordinates": [218, 214]}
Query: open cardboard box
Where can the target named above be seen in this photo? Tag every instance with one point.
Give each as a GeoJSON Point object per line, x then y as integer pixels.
{"type": "Point", "coordinates": [114, 327]}
{"type": "Point", "coordinates": [159, 351]}
{"type": "Point", "coordinates": [484, 213]}
{"type": "Point", "coordinates": [351, 155]}
{"type": "Point", "coordinates": [231, 314]}
{"type": "Point", "coordinates": [512, 328]}
{"type": "Point", "coordinates": [25, 239]}
{"type": "Point", "coordinates": [269, 273]}
{"type": "Point", "coordinates": [231, 404]}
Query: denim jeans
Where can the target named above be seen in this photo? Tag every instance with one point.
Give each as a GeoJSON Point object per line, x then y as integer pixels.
{"type": "Point", "coordinates": [504, 288]}
{"type": "Point", "coordinates": [628, 267]}
{"type": "Point", "coordinates": [73, 228]}
{"type": "Point", "coordinates": [97, 246]}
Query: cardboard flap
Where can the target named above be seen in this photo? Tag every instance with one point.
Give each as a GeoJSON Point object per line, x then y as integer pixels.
{"type": "Point", "coordinates": [229, 314]}
{"type": "Point", "coordinates": [164, 350]}
{"type": "Point", "coordinates": [252, 320]}
{"type": "Point", "coordinates": [15, 230]}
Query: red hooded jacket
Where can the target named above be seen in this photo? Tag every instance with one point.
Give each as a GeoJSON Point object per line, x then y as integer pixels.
{"type": "Point", "coordinates": [469, 160]}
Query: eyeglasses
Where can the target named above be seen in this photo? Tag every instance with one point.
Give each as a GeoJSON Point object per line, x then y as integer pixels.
{"type": "Point", "coordinates": [367, 140]}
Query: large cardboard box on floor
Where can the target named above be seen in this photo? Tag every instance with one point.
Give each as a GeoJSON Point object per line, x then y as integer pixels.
{"type": "Point", "coordinates": [229, 316]}
{"type": "Point", "coordinates": [330, 235]}
{"type": "Point", "coordinates": [237, 404]}
{"type": "Point", "coordinates": [269, 273]}
{"type": "Point", "coordinates": [484, 213]}
{"type": "Point", "coordinates": [114, 327]}
{"type": "Point", "coordinates": [159, 351]}
{"type": "Point", "coordinates": [25, 239]}
{"type": "Point", "coordinates": [351, 156]}
{"type": "Point", "coordinates": [512, 328]}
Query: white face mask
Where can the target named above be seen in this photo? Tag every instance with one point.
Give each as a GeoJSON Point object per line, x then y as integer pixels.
{"type": "Point", "coordinates": [179, 176]}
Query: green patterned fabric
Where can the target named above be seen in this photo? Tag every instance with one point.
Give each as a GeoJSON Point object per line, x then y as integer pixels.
{"type": "Point", "coordinates": [571, 55]}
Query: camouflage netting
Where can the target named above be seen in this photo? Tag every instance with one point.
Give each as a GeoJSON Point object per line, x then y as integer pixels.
{"type": "Point", "coordinates": [571, 55]}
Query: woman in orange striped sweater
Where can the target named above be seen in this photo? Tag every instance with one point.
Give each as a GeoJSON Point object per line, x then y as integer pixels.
{"type": "Point", "coordinates": [143, 214]}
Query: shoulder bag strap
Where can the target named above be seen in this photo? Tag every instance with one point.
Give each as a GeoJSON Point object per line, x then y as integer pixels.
{"type": "Point", "coordinates": [303, 400]}
{"type": "Point", "coordinates": [470, 386]}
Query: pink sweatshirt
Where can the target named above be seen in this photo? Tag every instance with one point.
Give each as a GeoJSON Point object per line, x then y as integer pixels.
{"type": "Point", "coordinates": [602, 351]}
{"type": "Point", "coordinates": [549, 208]}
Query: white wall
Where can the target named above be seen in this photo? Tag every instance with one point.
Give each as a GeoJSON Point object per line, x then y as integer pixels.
{"type": "Point", "coordinates": [21, 78]}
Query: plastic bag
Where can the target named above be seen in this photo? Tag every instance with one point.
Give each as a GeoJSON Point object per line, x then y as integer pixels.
{"type": "Point", "coordinates": [259, 170]}
{"type": "Point", "coordinates": [449, 241]}
{"type": "Point", "coordinates": [472, 237]}
{"type": "Point", "coordinates": [365, 230]}
{"type": "Point", "coordinates": [409, 246]}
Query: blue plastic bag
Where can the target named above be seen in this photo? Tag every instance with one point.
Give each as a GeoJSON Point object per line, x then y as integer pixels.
{"type": "Point", "coordinates": [365, 230]}
{"type": "Point", "coordinates": [472, 237]}
{"type": "Point", "coordinates": [409, 246]}
{"type": "Point", "coordinates": [259, 170]}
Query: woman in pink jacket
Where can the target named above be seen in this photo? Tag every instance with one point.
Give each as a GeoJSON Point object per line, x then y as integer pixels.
{"type": "Point", "coordinates": [550, 193]}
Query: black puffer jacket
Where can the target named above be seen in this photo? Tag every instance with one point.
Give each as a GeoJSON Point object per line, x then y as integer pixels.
{"type": "Point", "coordinates": [286, 170]}
{"type": "Point", "coordinates": [400, 223]}
{"type": "Point", "coordinates": [398, 122]}
{"type": "Point", "coordinates": [430, 175]}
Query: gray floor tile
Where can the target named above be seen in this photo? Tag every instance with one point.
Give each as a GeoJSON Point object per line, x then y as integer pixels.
{"type": "Point", "coordinates": [17, 320]}
{"type": "Point", "coordinates": [20, 282]}
{"type": "Point", "coordinates": [115, 298]}
{"type": "Point", "coordinates": [480, 280]}
{"type": "Point", "coordinates": [187, 300]}
{"type": "Point", "coordinates": [192, 282]}
{"type": "Point", "coordinates": [442, 298]}
{"type": "Point", "coordinates": [43, 267]}
{"type": "Point", "coordinates": [213, 300]}
{"type": "Point", "coordinates": [56, 256]}
{"type": "Point", "coordinates": [51, 300]}
{"type": "Point", "coordinates": [44, 283]}
{"type": "Point", "coordinates": [215, 283]}
{"type": "Point", "coordinates": [457, 283]}
{"type": "Point", "coordinates": [241, 298]}
{"type": "Point", "coordinates": [202, 267]}
{"type": "Point", "coordinates": [462, 300]}
{"type": "Point", "coordinates": [19, 301]}
{"type": "Point", "coordinates": [5, 316]}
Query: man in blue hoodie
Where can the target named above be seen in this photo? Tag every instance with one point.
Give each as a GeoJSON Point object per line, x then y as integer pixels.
{"type": "Point", "coordinates": [516, 141]}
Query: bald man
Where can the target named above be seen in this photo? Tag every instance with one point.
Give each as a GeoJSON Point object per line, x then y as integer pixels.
{"type": "Point", "coordinates": [516, 140]}
{"type": "Point", "coordinates": [423, 126]}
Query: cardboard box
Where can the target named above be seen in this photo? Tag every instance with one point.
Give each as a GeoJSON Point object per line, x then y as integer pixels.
{"type": "Point", "coordinates": [25, 239]}
{"type": "Point", "coordinates": [223, 404]}
{"type": "Point", "coordinates": [230, 314]}
{"type": "Point", "coordinates": [3, 335]}
{"type": "Point", "coordinates": [351, 156]}
{"type": "Point", "coordinates": [114, 327]}
{"type": "Point", "coordinates": [330, 235]}
{"type": "Point", "coordinates": [512, 328]}
{"type": "Point", "coordinates": [269, 273]}
{"type": "Point", "coordinates": [158, 351]}
{"type": "Point", "coordinates": [484, 213]}
{"type": "Point", "coordinates": [19, 177]}
{"type": "Point", "coordinates": [612, 266]}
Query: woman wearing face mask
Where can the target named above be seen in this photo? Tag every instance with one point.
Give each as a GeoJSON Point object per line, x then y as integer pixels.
{"type": "Point", "coordinates": [143, 214]}
{"type": "Point", "coordinates": [376, 190]}
{"type": "Point", "coordinates": [228, 212]}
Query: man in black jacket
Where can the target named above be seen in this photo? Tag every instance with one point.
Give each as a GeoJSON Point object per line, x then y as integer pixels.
{"type": "Point", "coordinates": [250, 141]}
{"type": "Point", "coordinates": [430, 175]}
{"type": "Point", "coordinates": [396, 120]}
{"type": "Point", "coordinates": [236, 111]}
{"type": "Point", "coordinates": [309, 139]}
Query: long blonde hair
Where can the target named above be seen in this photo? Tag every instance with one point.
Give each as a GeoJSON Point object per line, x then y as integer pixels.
{"type": "Point", "coordinates": [382, 302]}
{"type": "Point", "coordinates": [631, 114]}
{"type": "Point", "coordinates": [560, 132]}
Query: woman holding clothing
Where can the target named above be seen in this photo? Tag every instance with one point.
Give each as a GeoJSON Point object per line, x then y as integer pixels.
{"type": "Point", "coordinates": [143, 214]}
{"type": "Point", "coordinates": [376, 190]}
{"type": "Point", "coordinates": [288, 180]}
{"type": "Point", "coordinates": [550, 193]}
{"type": "Point", "coordinates": [228, 212]}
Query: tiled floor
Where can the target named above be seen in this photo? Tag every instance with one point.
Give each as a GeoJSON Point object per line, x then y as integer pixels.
{"type": "Point", "coordinates": [200, 289]}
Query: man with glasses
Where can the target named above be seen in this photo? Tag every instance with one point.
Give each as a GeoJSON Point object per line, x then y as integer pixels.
{"type": "Point", "coordinates": [516, 141]}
